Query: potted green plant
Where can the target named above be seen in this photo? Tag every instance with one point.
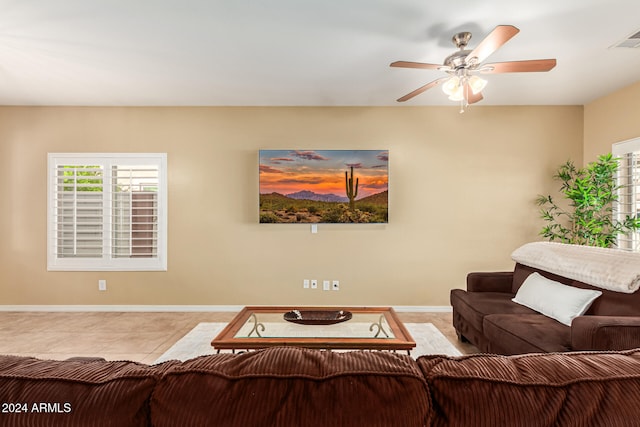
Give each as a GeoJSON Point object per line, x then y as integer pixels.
{"type": "Point", "coordinates": [591, 192]}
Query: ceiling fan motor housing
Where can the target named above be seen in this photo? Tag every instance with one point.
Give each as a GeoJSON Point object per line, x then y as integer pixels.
{"type": "Point", "coordinates": [457, 60]}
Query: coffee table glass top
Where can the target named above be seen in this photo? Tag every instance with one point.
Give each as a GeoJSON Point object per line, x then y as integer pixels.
{"type": "Point", "coordinates": [273, 325]}
{"type": "Point", "coordinates": [368, 328]}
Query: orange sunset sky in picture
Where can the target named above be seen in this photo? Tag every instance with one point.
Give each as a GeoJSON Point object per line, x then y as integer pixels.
{"type": "Point", "coordinates": [322, 171]}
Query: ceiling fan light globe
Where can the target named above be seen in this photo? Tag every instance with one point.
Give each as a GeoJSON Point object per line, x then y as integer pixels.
{"type": "Point", "coordinates": [451, 86]}
{"type": "Point", "coordinates": [477, 84]}
{"type": "Point", "coordinates": [458, 95]}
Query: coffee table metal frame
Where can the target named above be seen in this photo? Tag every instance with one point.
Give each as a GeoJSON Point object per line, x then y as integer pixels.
{"type": "Point", "coordinates": [400, 340]}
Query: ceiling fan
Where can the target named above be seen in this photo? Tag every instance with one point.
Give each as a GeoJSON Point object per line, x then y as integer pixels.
{"type": "Point", "coordinates": [462, 82]}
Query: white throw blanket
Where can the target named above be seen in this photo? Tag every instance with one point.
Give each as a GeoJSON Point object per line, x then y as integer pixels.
{"type": "Point", "coordinates": [611, 269]}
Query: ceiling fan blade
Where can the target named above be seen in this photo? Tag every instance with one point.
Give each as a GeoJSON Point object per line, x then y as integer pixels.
{"type": "Point", "coordinates": [499, 36]}
{"type": "Point", "coordinates": [472, 98]}
{"type": "Point", "coordinates": [422, 89]}
{"type": "Point", "coordinates": [409, 64]}
{"type": "Point", "coordinates": [534, 65]}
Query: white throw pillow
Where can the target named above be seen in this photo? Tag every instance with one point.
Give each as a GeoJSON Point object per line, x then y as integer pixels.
{"type": "Point", "coordinates": [560, 302]}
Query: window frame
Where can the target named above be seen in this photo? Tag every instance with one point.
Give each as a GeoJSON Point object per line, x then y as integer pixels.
{"type": "Point", "coordinates": [106, 262]}
{"type": "Point", "coordinates": [626, 151]}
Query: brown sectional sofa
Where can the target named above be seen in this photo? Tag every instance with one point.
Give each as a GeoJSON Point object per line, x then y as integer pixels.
{"type": "Point", "coordinates": [485, 315]}
{"type": "Point", "coordinates": [300, 387]}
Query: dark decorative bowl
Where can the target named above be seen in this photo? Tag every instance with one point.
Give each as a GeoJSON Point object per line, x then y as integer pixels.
{"type": "Point", "coordinates": [317, 317]}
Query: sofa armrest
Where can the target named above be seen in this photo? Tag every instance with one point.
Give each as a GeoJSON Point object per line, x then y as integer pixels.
{"type": "Point", "coordinates": [605, 333]}
{"type": "Point", "coordinates": [490, 282]}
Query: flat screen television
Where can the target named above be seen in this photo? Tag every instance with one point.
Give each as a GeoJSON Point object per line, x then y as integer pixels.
{"type": "Point", "coordinates": [324, 186]}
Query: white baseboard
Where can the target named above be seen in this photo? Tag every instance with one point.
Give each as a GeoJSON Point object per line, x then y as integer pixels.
{"type": "Point", "coordinates": [423, 308]}
{"type": "Point", "coordinates": [127, 308]}
{"type": "Point", "coordinates": [184, 308]}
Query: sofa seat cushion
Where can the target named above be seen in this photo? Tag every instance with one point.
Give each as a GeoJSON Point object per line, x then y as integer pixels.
{"type": "Point", "coordinates": [474, 306]}
{"type": "Point", "coordinates": [285, 386]}
{"type": "Point", "coordinates": [525, 333]}
{"type": "Point", "coordinates": [75, 393]}
{"type": "Point", "coordinates": [568, 389]}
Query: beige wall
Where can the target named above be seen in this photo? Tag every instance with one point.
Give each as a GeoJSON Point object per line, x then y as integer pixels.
{"type": "Point", "coordinates": [461, 199]}
{"type": "Point", "coordinates": [610, 119]}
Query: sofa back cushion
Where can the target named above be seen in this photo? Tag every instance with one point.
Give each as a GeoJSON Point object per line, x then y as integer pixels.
{"type": "Point", "coordinates": [562, 389]}
{"type": "Point", "coordinates": [97, 393]}
{"type": "Point", "coordinates": [610, 303]}
{"type": "Point", "coordinates": [292, 387]}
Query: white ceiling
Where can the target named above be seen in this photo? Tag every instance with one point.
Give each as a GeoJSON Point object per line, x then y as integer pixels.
{"type": "Point", "coordinates": [301, 52]}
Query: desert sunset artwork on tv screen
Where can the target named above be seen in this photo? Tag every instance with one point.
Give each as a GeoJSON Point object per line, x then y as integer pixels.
{"type": "Point", "coordinates": [324, 186]}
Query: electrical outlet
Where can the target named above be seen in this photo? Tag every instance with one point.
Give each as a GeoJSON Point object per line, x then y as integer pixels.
{"type": "Point", "coordinates": [325, 285]}
{"type": "Point", "coordinates": [314, 284]}
{"type": "Point", "coordinates": [305, 283]}
{"type": "Point", "coordinates": [335, 285]}
{"type": "Point", "coordinates": [102, 285]}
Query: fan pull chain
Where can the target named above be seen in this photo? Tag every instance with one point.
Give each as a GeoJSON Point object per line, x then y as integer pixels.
{"type": "Point", "coordinates": [463, 101]}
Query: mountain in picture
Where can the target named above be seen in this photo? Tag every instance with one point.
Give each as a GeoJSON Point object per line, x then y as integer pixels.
{"type": "Point", "coordinates": [310, 195]}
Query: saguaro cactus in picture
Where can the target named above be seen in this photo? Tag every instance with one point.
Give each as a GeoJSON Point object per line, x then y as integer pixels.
{"type": "Point", "coordinates": [352, 191]}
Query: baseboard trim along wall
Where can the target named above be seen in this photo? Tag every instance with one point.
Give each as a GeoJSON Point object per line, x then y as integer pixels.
{"type": "Point", "coordinates": [185, 308]}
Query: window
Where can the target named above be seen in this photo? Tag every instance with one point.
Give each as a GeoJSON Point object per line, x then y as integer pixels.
{"type": "Point", "coordinates": [629, 193]}
{"type": "Point", "coordinates": [107, 212]}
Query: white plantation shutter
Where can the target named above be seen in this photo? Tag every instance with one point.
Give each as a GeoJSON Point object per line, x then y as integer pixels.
{"type": "Point", "coordinates": [629, 194]}
{"type": "Point", "coordinates": [107, 212]}
{"type": "Point", "coordinates": [135, 211]}
{"type": "Point", "coordinates": [79, 211]}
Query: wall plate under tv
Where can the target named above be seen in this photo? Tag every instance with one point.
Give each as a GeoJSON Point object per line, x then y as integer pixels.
{"type": "Point", "coordinates": [324, 187]}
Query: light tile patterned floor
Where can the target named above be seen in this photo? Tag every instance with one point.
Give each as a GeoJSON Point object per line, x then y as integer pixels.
{"type": "Point", "coordinates": [138, 336]}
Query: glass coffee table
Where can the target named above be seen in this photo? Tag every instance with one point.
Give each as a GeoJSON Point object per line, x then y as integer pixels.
{"type": "Point", "coordinates": [354, 328]}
